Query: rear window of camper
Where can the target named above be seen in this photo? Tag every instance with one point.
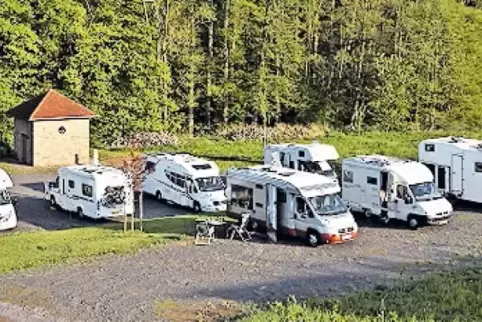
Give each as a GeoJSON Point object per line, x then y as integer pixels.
{"type": "Point", "coordinates": [429, 147]}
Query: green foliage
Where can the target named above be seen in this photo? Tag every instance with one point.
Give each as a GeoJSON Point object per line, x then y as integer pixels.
{"type": "Point", "coordinates": [449, 296]}
{"type": "Point", "coordinates": [184, 65]}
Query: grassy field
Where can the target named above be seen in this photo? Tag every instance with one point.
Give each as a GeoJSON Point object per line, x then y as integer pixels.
{"type": "Point", "coordinates": [395, 144]}
{"type": "Point", "coordinates": [20, 251]}
{"type": "Point", "coordinates": [450, 296]}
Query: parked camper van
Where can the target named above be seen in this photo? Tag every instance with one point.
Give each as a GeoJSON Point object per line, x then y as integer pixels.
{"type": "Point", "coordinates": [290, 202]}
{"type": "Point", "coordinates": [91, 190]}
{"type": "Point", "coordinates": [456, 164]}
{"type": "Point", "coordinates": [314, 157]}
{"type": "Point", "coordinates": [392, 188]}
{"type": "Point", "coordinates": [186, 180]}
{"type": "Point", "coordinates": [8, 216]}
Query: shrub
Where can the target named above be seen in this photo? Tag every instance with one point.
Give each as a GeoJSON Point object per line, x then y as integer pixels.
{"type": "Point", "coordinates": [145, 140]}
{"type": "Point", "coordinates": [280, 132]}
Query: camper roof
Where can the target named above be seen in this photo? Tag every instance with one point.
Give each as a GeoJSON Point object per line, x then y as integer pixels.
{"type": "Point", "coordinates": [458, 142]}
{"type": "Point", "coordinates": [308, 184]}
{"type": "Point", "coordinates": [315, 150]}
{"type": "Point", "coordinates": [5, 180]}
{"type": "Point", "coordinates": [195, 166]}
{"type": "Point", "coordinates": [407, 171]}
{"type": "Point", "coordinates": [91, 171]}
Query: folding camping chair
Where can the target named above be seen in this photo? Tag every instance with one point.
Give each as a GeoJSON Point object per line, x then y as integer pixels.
{"type": "Point", "coordinates": [204, 231]}
{"type": "Point", "coordinates": [240, 230]}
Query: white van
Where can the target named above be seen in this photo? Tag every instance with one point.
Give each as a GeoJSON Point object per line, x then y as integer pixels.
{"type": "Point", "coordinates": [456, 164]}
{"type": "Point", "coordinates": [293, 203]}
{"type": "Point", "coordinates": [8, 216]}
{"type": "Point", "coordinates": [93, 191]}
{"type": "Point", "coordinates": [185, 180]}
{"type": "Point", "coordinates": [392, 188]}
{"type": "Point", "coordinates": [315, 157]}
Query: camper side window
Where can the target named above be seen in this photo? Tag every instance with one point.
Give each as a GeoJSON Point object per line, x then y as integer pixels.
{"type": "Point", "coordinates": [301, 154]}
{"type": "Point", "coordinates": [71, 184]}
{"type": "Point", "coordinates": [87, 190]}
{"type": "Point", "coordinates": [302, 207]}
{"type": "Point", "coordinates": [242, 197]}
{"type": "Point", "coordinates": [348, 176]}
{"type": "Point", "coordinates": [372, 181]}
{"type": "Point", "coordinates": [478, 167]}
{"type": "Point", "coordinates": [402, 192]}
{"type": "Point", "coordinates": [429, 147]}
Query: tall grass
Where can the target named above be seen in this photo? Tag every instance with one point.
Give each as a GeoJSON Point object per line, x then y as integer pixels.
{"type": "Point", "coordinates": [449, 296]}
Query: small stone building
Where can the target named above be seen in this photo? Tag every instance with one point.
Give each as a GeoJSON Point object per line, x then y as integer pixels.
{"type": "Point", "coordinates": [51, 129]}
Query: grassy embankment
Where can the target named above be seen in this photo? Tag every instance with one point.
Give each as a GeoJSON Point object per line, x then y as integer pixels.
{"type": "Point", "coordinates": [451, 296]}
{"type": "Point", "coordinates": [25, 250]}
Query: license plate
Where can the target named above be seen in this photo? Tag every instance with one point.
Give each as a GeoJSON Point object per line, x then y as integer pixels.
{"type": "Point", "coordinates": [345, 237]}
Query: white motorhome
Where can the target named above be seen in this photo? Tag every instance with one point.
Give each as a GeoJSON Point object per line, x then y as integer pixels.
{"type": "Point", "coordinates": [8, 216]}
{"type": "Point", "coordinates": [289, 202]}
{"type": "Point", "coordinates": [392, 188]}
{"type": "Point", "coordinates": [315, 157]}
{"type": "Point", "coordinates": [93, 191]}
{"type": "Point", "coordinates": [456, 164]}
{"type": "Point", "coordinates": [185, 180]}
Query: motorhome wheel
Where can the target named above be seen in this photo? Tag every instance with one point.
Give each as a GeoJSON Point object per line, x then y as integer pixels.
{"type": "Point", "coordinates": [384, 219]}
{"type": "Point", "coordinates": [196, 207]}
{"type": "Point", "coordinates": [313, 238]}
{"type": "Point", "coordinates": [80, 212]}
{"type": "Point", "coordinates": [413, 222]}
{"type": "Point", "coordinates": [159, 195]}
{"type": "Point", "coordinates": [367, 214]}
{"type": "Point", "coordinates": [53, 203]}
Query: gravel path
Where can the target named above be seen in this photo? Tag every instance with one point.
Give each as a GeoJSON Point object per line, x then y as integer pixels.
{"type": "Point", "coordinates": [127, 288]}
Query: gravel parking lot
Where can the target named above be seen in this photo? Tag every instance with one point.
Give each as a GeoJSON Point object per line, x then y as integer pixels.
{"type": "Point", "coordinates": [128, 288]}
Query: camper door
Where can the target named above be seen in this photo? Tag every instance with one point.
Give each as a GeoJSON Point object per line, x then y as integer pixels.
{"type": "Point", "coordinates": [456, 177]}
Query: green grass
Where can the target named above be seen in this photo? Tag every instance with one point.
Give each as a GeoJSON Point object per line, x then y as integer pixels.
{"type": "Point", "coordinates": [394, 144]}
{"type": "Point", "coordinates": [449, 296]}
{"type": "Point", "coordinates": [26, 250]}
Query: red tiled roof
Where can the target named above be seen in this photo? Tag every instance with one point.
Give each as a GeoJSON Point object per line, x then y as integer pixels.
{"type": "Point", "coordinates": [50, 105]}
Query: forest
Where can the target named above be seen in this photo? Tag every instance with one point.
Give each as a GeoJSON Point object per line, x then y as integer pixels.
{"type": "Point", "coordinates": [194, 66]}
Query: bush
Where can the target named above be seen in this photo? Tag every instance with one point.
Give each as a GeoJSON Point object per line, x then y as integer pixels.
{"type": "Point", "coordinates": [142, 140]}
{"type": "Point", "coordinates": [280, 132]}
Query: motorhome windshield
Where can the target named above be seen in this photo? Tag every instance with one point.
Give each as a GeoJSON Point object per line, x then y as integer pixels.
{"type": "Point", "coordinates": [425, 191]}
{"type": "Point", "coordinates": [319, 167]}
{"type": "Point", "coordinates": [5, 198]}
{"type": "Point", "coordinates": [328, 205]}
{"type": "Point", "coordinates": [210, 183]}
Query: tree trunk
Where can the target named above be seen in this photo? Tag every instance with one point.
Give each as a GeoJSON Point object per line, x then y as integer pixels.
{"type": "Point", "coordinates": [226, 59]}
{"type": "Point", "coordinates": [208, 73]}
{"type": "Point", "coordinates": [165, 44]}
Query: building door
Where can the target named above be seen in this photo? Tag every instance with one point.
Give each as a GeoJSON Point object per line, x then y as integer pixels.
{"type": "Point", "coordinates": [24, 148]}
{"type": "Point", "coordinates": [456, 178]}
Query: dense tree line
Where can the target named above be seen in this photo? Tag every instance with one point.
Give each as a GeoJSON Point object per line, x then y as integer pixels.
{"type": "Point", "coordinates": [185, 65]}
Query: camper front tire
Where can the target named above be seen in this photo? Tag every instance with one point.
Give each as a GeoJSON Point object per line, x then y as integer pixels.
{"type": "Point", "coordinates": [413, 222]}
{"type": "Point", "coordinates": [196, 207]}
{"type": "Point", "coordinates": [80, 212]}
{"type": "Point", "coordinates": [53, 203]}
{"type": "Point", "coordinates": [313, 238]}
{"type": "Point", "coordinates": [159, 196]}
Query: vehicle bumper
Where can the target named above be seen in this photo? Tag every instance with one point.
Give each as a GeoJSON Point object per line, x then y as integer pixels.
{"type": "Point", "coordinates": [338, 238]}
{"type": "Point", "coordinates": [111, 213]}
{"type": "Point", "coordinates": [212, 208]}
{"type": "Point", "coordinates": [438, 221]}
{"type": "Point", "coordinates": [10, 223]}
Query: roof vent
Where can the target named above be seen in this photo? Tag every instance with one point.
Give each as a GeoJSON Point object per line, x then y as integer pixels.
{"type": "Point", "coordinates": [455, 139]}
{"type": "Point", "coordinates": [286, 174]}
